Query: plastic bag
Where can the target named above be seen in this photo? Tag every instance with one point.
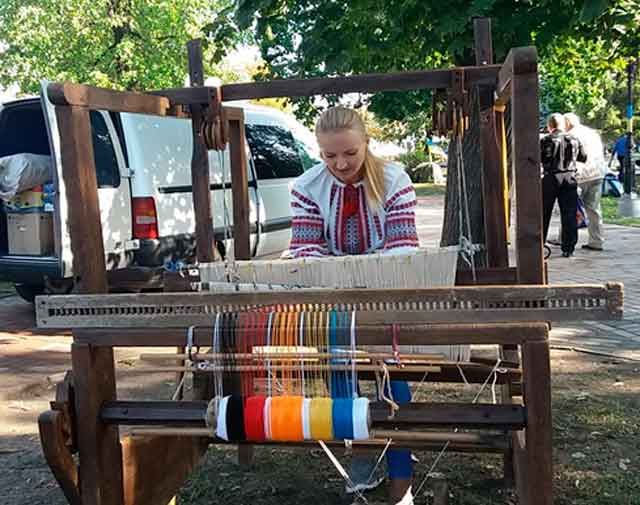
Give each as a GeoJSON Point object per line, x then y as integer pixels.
{"type": "Point", "coordinates": [581, 215]}
{"type": "Point", "coordinates": [24, 171]}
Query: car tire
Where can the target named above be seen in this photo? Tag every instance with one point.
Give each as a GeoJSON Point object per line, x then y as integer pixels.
{"type": "Point", "coordinates": [29, 292]}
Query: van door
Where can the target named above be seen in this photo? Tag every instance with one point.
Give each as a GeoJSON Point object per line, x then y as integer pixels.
{"type": "Point", "coordinates": [114, 193]}
{"type": "Point", "coordinates": [277, 163]}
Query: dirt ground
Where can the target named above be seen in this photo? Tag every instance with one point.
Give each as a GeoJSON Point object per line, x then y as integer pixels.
{"type": "Point", "coordinates": [596, 437]}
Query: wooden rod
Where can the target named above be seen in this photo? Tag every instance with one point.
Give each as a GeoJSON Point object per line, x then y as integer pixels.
{"type": "Point", "coordinates": [378, 436]}
{"type": "Point", "coordinates": [372, 335]}
{"type": "Point", "coordinates": [90, 97]}
{"type": "Point", "coordinates": [278, 368]}
{"type": "Point", "coordinates": [290, 355]}
{"type": "Point", "coordinates": [365, 83]}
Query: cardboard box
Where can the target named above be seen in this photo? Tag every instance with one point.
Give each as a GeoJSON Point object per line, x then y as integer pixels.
{"type": "Point", "coordinates": [30, 234]}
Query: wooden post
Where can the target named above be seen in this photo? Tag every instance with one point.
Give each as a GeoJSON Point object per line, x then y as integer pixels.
{"type": "Point", "coordinates": [538, 485]}
{"type": "Point", "coordinates": [495, 230]}
{"type": "Point", "coordinates": [93, 367]}
{"type": "Point", "coordinates": [526, 165]}
{"type": "Point", "coordinates": [205, 241]}
{"type": "Point", "coordinates": [239, 184]}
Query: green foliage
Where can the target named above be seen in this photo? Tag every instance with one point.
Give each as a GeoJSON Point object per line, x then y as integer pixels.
{"type": "Point", "coordinates": [309, 38]}
{"type": "Point", "coordinates": [132, 44]}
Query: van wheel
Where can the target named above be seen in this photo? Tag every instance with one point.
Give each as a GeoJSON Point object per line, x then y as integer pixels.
{"type": "Point", "coordinates": [29, 292]}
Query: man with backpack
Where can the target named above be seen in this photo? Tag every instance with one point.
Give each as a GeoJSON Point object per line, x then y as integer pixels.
{"type": "Point", "coordinates": [559, 154]}
{"type": "Point", "coordinates": [590, 175]}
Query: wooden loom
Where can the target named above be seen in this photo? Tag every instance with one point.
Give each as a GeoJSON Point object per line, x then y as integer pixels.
{"type": "Point", "coordinates": [513, 313]}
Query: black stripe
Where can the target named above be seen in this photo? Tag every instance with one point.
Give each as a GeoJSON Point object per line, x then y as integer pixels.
{"type": "Point", "coordinates": [188, 188]}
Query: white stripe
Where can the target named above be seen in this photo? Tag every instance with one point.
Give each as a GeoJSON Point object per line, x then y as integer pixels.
{"type": "Point", "coordinates": [361, 419]}
{"type": "Point", "coordinates": [267, 418]}
{"type": "Point", "coordinates": [306, 418]}
{"type": "Point", "coordinates": [221, 426]}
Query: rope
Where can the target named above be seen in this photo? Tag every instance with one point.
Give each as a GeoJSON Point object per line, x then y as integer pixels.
{"type": "Point", "coordinates": [493, 372]}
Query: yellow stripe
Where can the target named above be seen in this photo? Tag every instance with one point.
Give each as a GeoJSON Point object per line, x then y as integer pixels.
{"type": "Point", "coordinates": [321, 419]}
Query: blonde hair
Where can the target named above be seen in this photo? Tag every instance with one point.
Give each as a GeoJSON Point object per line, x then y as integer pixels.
{"type": "Point", "coordinates": [343, 118]}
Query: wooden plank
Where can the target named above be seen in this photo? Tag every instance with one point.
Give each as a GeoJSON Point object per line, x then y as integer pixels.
{"type": "Point", "coordinates": [483, 43]}
{"type": "Point", "coordinates": [526, 166]}
{"type": "Point", "coordinates": [155, 466]}
{"type": "Point", "coordinates": [519, 61]}
{"type": "Point", "coordinates": [239, 188]}
{"type": "Point", "coordinates": [90, 97]}
{"type": "Point", "coordinates": [54, 432]}
{"type": "Point", "coordinates": [195, 95]}
{"type": "Point", "coordinates": [487, 276]}
{"type": "Point", "coordinates": [191, 302]}
{"type": "Point", "coordinates": [495, 227]}
{"type": "Point", "coordinates": [539, 446]}
{"type": "Point", "coordinates": [435, 334]}
{"type": "Point", "coordinates": [205, 241]}
{"type": "Point", "coordinates": [81, 185]}
{"type": "Point", "coordinates": [366, 83]}
{"type": "Point", "coordinates": [417, 414]}
{"type": "Point", "coordinates": [98, 443]}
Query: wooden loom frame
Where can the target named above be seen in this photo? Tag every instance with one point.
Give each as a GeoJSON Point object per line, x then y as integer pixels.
{"type": "Point", "coordinates": [84, 416]}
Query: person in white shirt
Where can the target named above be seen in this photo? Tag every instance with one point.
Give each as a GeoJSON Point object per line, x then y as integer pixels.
{"type": "Point", "coordinates": [590, 175]}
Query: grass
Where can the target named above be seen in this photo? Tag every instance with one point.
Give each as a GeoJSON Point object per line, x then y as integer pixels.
{"type": "Point", "coordinates": [429, 189]}
{"type": "Point", "coordinates": [610, 213]}
{"type": "Point", "coordinates": [596, 440]}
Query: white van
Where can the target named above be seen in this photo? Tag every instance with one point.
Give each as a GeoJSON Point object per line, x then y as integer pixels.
{"type": "Point", "coordinates": [144, 178]}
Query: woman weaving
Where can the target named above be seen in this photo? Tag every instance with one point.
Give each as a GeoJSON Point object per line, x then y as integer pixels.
{"type": "Point", "coordinates": [356, 203]}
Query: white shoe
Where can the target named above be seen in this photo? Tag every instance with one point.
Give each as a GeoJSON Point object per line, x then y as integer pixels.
{"type": "Point", "coordinates": [407, 499]}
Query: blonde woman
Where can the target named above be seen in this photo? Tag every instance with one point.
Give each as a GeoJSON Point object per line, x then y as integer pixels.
{"type": "Point", "coordinates": [352, 202]}
{"type": "Point", "coordinates": [356, 203]}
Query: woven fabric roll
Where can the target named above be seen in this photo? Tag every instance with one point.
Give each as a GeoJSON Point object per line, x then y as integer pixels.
{"type": "Point", "coordinates": [254, 418]}
{"type": "Point", "coordinates": [321, 418]}
{"type": "Point", "coordinates": [286, 418]}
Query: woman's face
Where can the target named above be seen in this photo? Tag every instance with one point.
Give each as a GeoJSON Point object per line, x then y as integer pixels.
{"type": "Point", "coordinates": [343, 151]}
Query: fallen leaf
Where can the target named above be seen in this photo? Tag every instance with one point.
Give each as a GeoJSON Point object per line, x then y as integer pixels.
{"type": "Point", "coordinates": [622, 465]}
{"type": "Point", "coordinates": [578, 455]}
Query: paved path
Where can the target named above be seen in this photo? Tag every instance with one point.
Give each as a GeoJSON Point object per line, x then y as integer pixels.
{"type": "Point", "coordinates": [619, 262]}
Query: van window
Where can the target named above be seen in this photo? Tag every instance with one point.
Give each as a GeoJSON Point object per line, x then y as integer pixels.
{"type": "Point", "coordinates": [107, 171]}
{"type": "Point", "coordinates": [274, 151]}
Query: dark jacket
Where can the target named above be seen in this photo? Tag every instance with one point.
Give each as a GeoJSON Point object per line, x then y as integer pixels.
{"type": "Point", "coordinates": [559, 152]}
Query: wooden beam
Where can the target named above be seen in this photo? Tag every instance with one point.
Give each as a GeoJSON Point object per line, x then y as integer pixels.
{"type": "Point", "coordinates": [495, 230]}
{"type": "Point", "coordinates": [539, 446]}
{"type": "Point", "coordinates": [366, 83]}
{"type": "Point", "coordinates": [98, 444]}
{"type": "Point", "coordinates": [156, 467]}
{"type": "Point", "coordinates": [81, 186]}
{"type": "Point", "coordinates": [526, 167]}
{"type": "Point", "coordinates": [519, 61]}
{"type": "Point", "coordinates": [418, 414]}
{"type": "Point", "coordinates": [195, 95]}
{"type": "Point", "coordinates": [495, 222]}
{"type": "Point", "coordinates": [205, 241]}
{"type": "Point", "coordinates": [483, 41]}
{"type": "Point", "coordinates": [435, 334]}
{"type": "Point", "coordinates": [239, 185]}
{"type": "Point", "coordinates": [54, 431]}
{"type": "Point", "coordinates": [81, 95]}
{"type": "Point", "coordinates": [487, 276]}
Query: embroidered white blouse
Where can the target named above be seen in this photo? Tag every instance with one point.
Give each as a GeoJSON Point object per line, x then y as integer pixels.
{"type": "Point", "coordinates": [333, 218]}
